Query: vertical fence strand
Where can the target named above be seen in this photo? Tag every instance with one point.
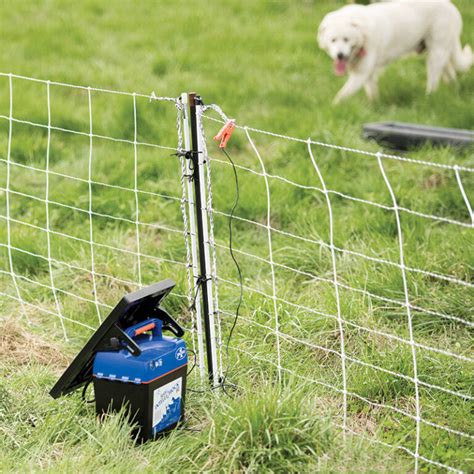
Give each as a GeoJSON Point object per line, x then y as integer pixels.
{"type": "Point", "coordinates": [407, 304]}
{"type": "Point", "coordinates": [335, 282]}
{"type": "Point", "coordinates": [7, 202]}
{"type": "Point", "coordinates": [48, 223]}
{"type": "Point", "coordinates": [91, 226]}
{"type": "Point", "coordinates": [270, 252]}
{"type": "Point", "coordinates": [135, 188]}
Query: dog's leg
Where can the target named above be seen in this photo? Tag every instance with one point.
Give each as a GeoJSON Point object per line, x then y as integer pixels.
{"type": "Point", "coordinates": [437, 62]}
{"type": "Point", "coordinates": [355, 82]}
{"type": "Point", "coordinates": [371, 87]}
{"type": "Point", "coordinates": [449, 73]}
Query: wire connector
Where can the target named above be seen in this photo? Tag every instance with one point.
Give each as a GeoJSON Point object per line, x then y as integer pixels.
{"type": "Point", "coordinates": [225, 133]}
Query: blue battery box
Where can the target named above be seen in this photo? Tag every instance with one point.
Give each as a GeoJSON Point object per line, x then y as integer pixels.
{"type": "Point", "coordinates": [132, 365]}
{"type": "Point", "coordinates": [151, 385]}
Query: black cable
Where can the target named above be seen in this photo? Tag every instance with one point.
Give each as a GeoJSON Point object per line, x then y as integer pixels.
{"type": "Point", "coordinates": [223, 384]}
{"type": "Point", "coordinates": [237, 266]}
{"type": "Point", "coordinates": [84, 390]}
{"type": "Point", "coordinates": [195, 361]}
{"type": "Point", "coordinates": [199, 282]}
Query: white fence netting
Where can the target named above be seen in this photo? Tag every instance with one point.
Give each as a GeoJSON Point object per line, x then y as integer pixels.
{"type": "Point", "coordinates": [357, 265]}
{"type": "Point", "coordinates": [357, 278]}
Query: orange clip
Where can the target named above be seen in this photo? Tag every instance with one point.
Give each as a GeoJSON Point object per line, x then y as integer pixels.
{"type": "Point", "coordinates": [225, 133]}
{"type": "Point", "coordinates": [145, 328]}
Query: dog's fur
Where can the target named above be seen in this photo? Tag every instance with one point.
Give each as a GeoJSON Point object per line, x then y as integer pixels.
{"type": "Point", "coordinates": [362, 40]}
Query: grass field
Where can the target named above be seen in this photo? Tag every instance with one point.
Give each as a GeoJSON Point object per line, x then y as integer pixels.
{"type": "Point", "coordinates": [259, 61]}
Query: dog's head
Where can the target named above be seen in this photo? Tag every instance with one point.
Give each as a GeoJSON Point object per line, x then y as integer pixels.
{"type": "Point", "coordinates": [343, 38]}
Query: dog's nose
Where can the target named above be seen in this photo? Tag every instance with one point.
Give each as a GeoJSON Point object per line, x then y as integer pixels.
{"type": "Point", "coordinates": [340, 56]}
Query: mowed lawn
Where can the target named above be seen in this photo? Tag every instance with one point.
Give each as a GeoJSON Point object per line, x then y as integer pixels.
{"type": "Point", "coordinates": [259, 61]}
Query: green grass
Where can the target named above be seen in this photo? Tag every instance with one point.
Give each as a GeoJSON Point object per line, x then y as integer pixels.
{"type": "Point", "coordinates": [259, 61]}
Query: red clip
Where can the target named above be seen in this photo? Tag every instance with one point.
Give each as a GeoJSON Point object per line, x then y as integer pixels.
{"type": "Point", "coordinates": [147, 327]}
{"type": "Point", "coordinates": [225, 133]}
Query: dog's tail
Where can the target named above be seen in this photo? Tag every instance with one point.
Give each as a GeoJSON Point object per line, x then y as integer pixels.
{"type": "Point", "coordinates": [462, 58]}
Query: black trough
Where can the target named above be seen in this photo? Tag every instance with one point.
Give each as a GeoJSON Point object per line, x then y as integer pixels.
{"type": "Point", "coordinates": [403, 136]}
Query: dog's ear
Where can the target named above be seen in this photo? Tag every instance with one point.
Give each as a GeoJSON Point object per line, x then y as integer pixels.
{"type": "Point", "coordinates": [360, 27]}
{"type": "Point", "coordinates": [322, 40]}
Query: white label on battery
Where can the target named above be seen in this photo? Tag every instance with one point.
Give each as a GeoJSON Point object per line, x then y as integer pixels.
{"type": "Point", "coordinates": [166, 405]}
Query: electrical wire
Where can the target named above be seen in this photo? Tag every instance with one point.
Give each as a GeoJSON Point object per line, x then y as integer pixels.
{"type": "Point", "coordinates": [195, 361]}
{"type": "Point", "coordinates": [84, 390]}
{"type": "Point", "coordinates": [223, 383]}
{"type": "Point", "coordinates": [237, 266]}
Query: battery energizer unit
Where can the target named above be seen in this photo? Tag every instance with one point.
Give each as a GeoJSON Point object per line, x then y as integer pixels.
{"type": "Point", "coordinates": [133, 365]}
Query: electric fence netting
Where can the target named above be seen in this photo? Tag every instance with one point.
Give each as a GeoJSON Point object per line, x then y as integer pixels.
{"type": "Point", "coordinates": [356, 265]}
{"type": "Point", "coordinates": [94, 204]}
{"type": "Point", "coordinates": [357, 274]}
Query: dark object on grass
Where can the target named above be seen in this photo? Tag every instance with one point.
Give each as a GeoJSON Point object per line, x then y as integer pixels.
{"type": "Point", "coordinates": [403, 136]}
{"type": "Point", "coordinates": [132, 364]}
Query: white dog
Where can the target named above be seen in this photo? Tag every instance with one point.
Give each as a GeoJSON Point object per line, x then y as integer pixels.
{"type": "Point", "coordinates": [363, 39]}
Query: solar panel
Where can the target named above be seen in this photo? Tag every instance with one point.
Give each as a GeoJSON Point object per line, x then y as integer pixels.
{"type": "Point", "coordinates": [133, 308]}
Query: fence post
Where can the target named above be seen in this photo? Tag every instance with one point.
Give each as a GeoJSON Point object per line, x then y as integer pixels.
{"type": "Point", "coordinates": [189, 193]}
{"type": "Point", "coordinates": [204, 282]}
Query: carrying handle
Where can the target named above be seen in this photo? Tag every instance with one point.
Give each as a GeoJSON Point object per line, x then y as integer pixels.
{"type": "Point", "coordinates": [147, 327]}
{"type": "Point", "coordinates": [161, 322]}
{"type": "Point", "coordinates": [142, 327]}
{"type": "Point", "coordinates": [118, 339]}
{"type": "Point", "coordinates": [169, 323]}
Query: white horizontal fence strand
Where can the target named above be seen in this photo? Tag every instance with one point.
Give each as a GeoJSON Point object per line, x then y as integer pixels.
{"type": "Point", "coordinates": [407, 302]}
{"type": "Point", "coordinates": [436, 218]}
{"type": "Point", "coordinates": [270, 253]}
{"type": "Point", "coordinates": [71, 265]}
{"type": "Point", "coordinates": [335, 283]}
{"type": "Point", "coordinates": [135, 187]}
{"type": "Point", "coordinates": [151, 96]}
{"type": "Point", "coordinates": [45, 310]}
{"type": "Point", "coordinates": [189, 263]}
{"type": "Point", "coordinates": [67, 293]}
{"type": "Point", "coordinates": [375, 331]}
{"type": "Point", "coordinates": [218, 110]}
{"type": "Point", "coordinates": [291, 338]}
{"type": "Point", "coordinates": [351, 288]}
{"type": "Point", "coordinates": [344, 148]}
{"type": "Point", "coordinates": [59, 290]}
{"type": "Point", "coordinates": [7, 202]}
{"type": "Point", "coordinates": [464, 195]}
{"type": "Point", "coordinates": [406, 450]}
{"type": "Point", "coordinates": [53, 313]}
{"type": "Point", "coordinates": [464, 396]}
{"type": "Point", "coordinates": [96, 244]}
{"type": "Point", "coordinates": [212, 243]}
{"type": "Point", "coordinates": [91, 227]}
{"type": "Point", "coordinates": [354, 253]}
{"type": "Point", "coordinates": [95, 213]}
{"type": "Point", "coordinates": [94, 182]}
{"type": "Point", "coordinates": [349, 430]}
{"type": "Point", "coordinates": [87, 134]}
{"type": "Point", "coordinates": [48, 234]}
